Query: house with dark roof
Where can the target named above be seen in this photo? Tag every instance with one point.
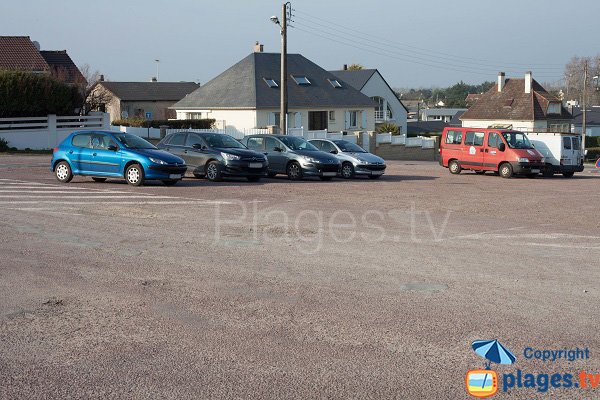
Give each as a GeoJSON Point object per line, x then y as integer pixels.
{"type": "Point", "coordinates": [592, 120]}
{"type": "Point", "coordinates": [62, 67]}
{"type": "Point", "coordinates": [247, 94]}
{"type": "Point", "coordinates": [520, 104]}
{"type": "Point", "coordinates": [136, 99]}
{"type": "Point", "coordinates": [441, 114]}
{"type": "Point", "coordinates": [370, 82]}
{"type": "Point", "coordinates": [19, 53]}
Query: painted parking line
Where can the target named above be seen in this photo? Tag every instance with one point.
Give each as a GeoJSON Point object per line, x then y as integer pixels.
{"type": "Point", "coordinates": [166, 202]}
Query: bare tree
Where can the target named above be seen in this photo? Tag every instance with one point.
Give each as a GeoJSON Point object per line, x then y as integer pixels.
{"type": "Point", "coordinates": [574, 80]}
{"type": "Point", "coordinates": [95, 96]}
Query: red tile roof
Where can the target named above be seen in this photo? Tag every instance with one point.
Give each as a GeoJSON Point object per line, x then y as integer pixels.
{"type": "Point", "coordinates": [62, 67]}
{"type": "Point", "coordinates": [512, 103]}
{"type": "Point", "coordinates": [19, 52]}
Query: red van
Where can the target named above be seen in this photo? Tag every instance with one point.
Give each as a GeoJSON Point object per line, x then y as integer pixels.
{"type": "Point", "coordinates": [504, 151]}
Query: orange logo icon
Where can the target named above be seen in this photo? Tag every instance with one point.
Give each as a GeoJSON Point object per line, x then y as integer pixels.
{"type": "Point", "coordinates": [482, 383]}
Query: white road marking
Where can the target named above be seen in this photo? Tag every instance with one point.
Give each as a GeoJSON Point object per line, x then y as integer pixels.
{"type": "Point", "coordinates": [92, 196]}
{"type": "Point", "coordinates": [168, 202]}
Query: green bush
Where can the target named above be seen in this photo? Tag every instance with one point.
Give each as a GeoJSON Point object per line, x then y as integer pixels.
{"type": "Point", "coordinates": [174, 124]}
{"type": "Point", "coordinates": [24, 94]}
{"type": "Point", "coordinates": [592, 141]}
{"type": "Point", "coordinates": [388, 128]}
{"type": "Point", "coordinates": [593, 154]}
{"type": "Point", "coordinates": [4, 145]}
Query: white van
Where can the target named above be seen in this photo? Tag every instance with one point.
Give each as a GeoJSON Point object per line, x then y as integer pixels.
{"type": "Point", "coordinates": [562, 151]}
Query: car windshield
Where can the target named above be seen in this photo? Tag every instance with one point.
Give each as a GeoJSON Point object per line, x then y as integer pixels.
{"type": "Point", "coordinates": [222, 141]}
{"type": "Point", "coordinates": [517, 140]}
{"type": "Point", "coordinates": [130, 141]}
{"type": "Point", "coordinates": [349, 147]}
{"type": "Point", "coordinates": [296, 143]}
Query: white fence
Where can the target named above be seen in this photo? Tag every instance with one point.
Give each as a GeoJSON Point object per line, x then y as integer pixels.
{"type": "Point", "coordinates": [420, 141]}
{"type": "Point", "coordinates": [40, 133]}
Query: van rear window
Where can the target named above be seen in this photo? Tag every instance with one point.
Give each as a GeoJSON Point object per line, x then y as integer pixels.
{"type": "Point", "coordinates": [453, 137]}
{"type": "Point", "coordinates": [567, 142]}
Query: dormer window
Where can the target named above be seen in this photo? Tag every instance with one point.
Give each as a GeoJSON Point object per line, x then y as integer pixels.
{"type": "Point", "coordinates": [554, 108]}
{"type": "Point", "coordinates": [301, 80]}
{"type": "Point", "coordinates": [271, 82]}
{"type": "Point", "coordinates": [335, 83]}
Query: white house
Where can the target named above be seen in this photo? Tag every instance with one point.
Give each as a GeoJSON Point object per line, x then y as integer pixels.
{"type": "Point", "coordinates": [371, 83]}
{"type": "Point", "coordinates": [246, 96]}
{"type": "Point", "coordinates": [441, 114]}
{"type": "Point", "coordinates": [520, 104]}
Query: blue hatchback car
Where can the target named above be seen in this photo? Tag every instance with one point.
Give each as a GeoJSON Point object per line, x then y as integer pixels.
{"type": "Point", "coordinates": [104, 154]}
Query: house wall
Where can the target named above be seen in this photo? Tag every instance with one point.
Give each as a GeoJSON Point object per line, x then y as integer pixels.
{"type": "Point", "coordinates": [376, 86]}
{"type": "Point", "coordinates": [517, 125]}
{"type": "Point", "coordinates": [265, 118]}
{"type": "Point", "coordinates": [138, 109]}
{"type": "Point", "coordinates": [238, 119]}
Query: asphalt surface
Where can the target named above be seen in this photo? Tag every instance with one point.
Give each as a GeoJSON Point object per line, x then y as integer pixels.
{"type": "Point", "coordinates": [280, 290]}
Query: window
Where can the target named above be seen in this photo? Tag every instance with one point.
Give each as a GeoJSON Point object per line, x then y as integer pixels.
{"type": "Point", "coordinates": [317, 143]}
{"type": "Point", "coordinates": [256, 143]}
{"type": "Point", "coordinates": [382, 110]}
{"type": "Point", "coordinates": [301, 80]}
{"type": "Point", "coordinates": [493, 140]}
{"type": "Point", "coordinates": [317, 120]}
{"type": "Point", "coordinates": [554, 108]}
{"type": "Point", "coordinates": [474, 138]}
{"type": "Point", "coordinates": [353, 119]}
{"type": "Point", "coordinates": [102, 142]}
{"type": "Point", "coordinates": [178, 139]}
{"type": "Point", "coordinates": [81, 140]}
{"type": "Point", "coordinates": [517, 140]}
{"type": "Point", "coordinates": [332, 115]}
{"type": "Point", "coordinates": [576, 144]}
{"type": "Point", "coordinates": [335, 83]}
{"type": "Point", "coordinates": [454, 137]}
{"type": "Point", "coordinates": [567, 143]}
{"type": "Point", "coordinates": [271, 82]}
{"type": "Point", "coordinates": [328, 147]}
{"type": "Point", "coordinates": [193, 139]}
{"type": "Point", "coordinates": [271, 144]}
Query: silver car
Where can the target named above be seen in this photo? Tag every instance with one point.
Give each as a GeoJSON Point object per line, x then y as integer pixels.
{"type": "Point", "coordinates": [355, 160]}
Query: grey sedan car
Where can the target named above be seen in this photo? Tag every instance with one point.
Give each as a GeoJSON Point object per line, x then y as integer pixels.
{"type": "Point", "coordinates": [355, 160]}
{"type": "Point", "coordinates": [293, 156]}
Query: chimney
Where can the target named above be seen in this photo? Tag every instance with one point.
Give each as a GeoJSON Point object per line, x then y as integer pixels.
{"type": "Point", "coordinates": [345, 67]}
{"type": "Point", "coordinates": [528, 82]}
{"type": "Point", "coordinates": [258, 48]}
{"type": "Point", "coordinates": [153, 79]}
{"type": "Point", "coordinates": [501, 81]}
{"type": "Point", "coordinates": [101, 78]}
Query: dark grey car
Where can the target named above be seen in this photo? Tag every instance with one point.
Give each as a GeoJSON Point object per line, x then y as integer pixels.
{"type": "Point", "coordinates": [294, 156]}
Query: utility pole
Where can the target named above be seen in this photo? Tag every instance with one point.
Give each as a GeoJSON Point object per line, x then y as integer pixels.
{"type": "Point", "coordinates": [583, 122]}
{"type": "Point", "coordinates": [283, 106]}
{"type": "Point", "coordinates": [157, 61]}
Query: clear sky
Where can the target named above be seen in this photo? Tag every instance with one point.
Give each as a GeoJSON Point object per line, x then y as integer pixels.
{"type": "Point", "coordinates": [413, 44]}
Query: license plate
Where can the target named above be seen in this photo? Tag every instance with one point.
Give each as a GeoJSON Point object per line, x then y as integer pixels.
{"type": "Point", "coordinates": [535, 171]}
{"type": "Point", "coordinates": [255, 165]}
{"type": "Point", "coordinates": [175, 176]}
{"type": "Point", "coordinates": [377, 173]}
{"type": "Point", "coordinates": [329, 173]}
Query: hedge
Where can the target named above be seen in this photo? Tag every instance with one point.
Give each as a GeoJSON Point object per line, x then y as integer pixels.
{"type": "Point", "coordinates": [592, 141]}
{"type": "Point", "coordinates": [24, 94]}
{"type": "Point", "coordinates": [175, 123]}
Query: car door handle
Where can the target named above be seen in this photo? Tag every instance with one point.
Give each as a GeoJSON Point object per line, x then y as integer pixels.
{"type": "Point", "coordinates": [185, 151]}
{"type": "Point", "coordinates": [70, 151]}
{"type": "Point", "coordinates": [94, 154]}
{"type": "Point", "coordinates": [486, 150]}
{"type": "Point", "coordinates": [481, 150]}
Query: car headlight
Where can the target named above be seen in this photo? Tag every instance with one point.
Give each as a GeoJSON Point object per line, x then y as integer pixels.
{"type": "Point", "coordinates": [543, 159]}
{"type": "Point", "coordinates": [157, 161]}
{"type": "Point", "coordinates": [309, 159]}
{"type": "Point", "coordinates": [523, 159]}
{"type": "Point", "coordinates": [230, 157]}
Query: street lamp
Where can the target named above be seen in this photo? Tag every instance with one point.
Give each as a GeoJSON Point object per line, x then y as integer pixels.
{"type": "Point", "coordinates": [156, 61]}
{"type": "Point", "coordinates": [283, 105]}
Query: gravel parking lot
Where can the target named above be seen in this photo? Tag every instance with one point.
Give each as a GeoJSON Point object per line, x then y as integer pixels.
{"type": "Point", "coordinates": [279, 289]}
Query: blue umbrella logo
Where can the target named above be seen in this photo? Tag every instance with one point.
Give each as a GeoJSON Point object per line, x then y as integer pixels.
{"type": "Point", "coordinates": [494, 352]}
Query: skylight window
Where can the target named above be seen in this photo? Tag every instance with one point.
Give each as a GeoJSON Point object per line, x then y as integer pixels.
{"type": "Point", "coordinates": [301, 80]}
{"type": "Point", "coordinates": [335, 83]}
{"type": "Point", "coordinates": [271, 82]}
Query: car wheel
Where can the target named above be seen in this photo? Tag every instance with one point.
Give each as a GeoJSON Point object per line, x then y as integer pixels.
{"type": "Point", "coordinates": [375, 176]}
{"type": "Point", "coordinates": [326, 178]}
{"type": "Point", "coordinates": [63, 172]}
{"type": "Point", "coordinates": [170, 182]}
{"type": "Point", "coordinates": [134, 175]}
{"type": "Point", "coordinates": [99, 179]}
{"type": "Point", "coordinates": [213, 172]}
{"type": "Point", "coordinates": [506, 170]}
{"type": "Point", "coordinates": [454, 167]}
{"type": "Point", "coordinates": [347, 170]}
{"type": "Point", "coordinates": [568, 174]}
{"type": "Point", "coordinates": [253, 178]}
{"type": "Point", "coordinates": [294, 171]}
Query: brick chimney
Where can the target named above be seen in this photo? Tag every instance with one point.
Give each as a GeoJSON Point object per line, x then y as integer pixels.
{"type": "Point", "coordinates": [501, 81]}
{"type": "Point", "coordinates": [528, 82]}
{"type": "Point", "coordinates": [258, 48]}
{"type": "Point", "coordinates": [345, 67]}
{"type": "Point", "coordinates": [101, 78]}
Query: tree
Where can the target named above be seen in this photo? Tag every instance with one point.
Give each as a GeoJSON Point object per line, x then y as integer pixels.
{"type": "Point", "coordinates": [574, 74]}
{"type": "Point", "coordinates": [355, 67]}
{"type": "Point", "coordinates": [95, 98]}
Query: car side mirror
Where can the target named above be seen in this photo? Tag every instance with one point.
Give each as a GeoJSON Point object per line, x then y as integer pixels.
{"type": "Point", "coordinates": [333, 151]}
{"type": "Point", "coordinates": [279, 149]}
{"type": "Point", "coordinates": [197, 146]}
{"type": "Point", "coordinates": [112, 147]}
{"type": "Point", "coordinates": [501, 147]}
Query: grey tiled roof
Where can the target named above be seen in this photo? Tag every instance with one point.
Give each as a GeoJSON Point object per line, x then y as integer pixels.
{"type": "Point", "coordinates": [243, 86]}
{"type": "Point", "coordinates": [62, 66]}
{"type": "Point", "coordinates": [150, 91]}
{"type": "Point", "coordinates": [356, 78]}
